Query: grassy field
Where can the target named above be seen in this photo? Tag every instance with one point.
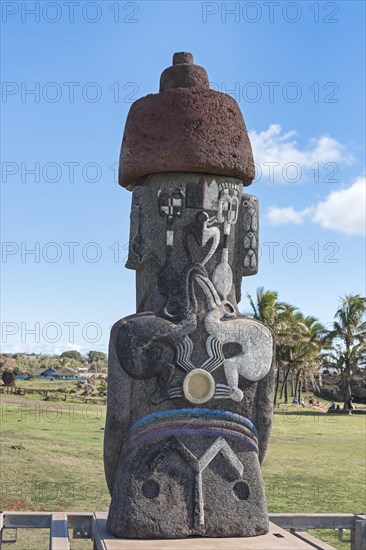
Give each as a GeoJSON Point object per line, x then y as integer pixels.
{"type": "Point", "coordinates": [316, 463]}
{"type": "Point", "coordinates": [52, 460]}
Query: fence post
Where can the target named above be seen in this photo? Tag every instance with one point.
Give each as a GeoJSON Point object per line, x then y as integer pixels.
{"type": "Point", "coordinates": [359, 534]}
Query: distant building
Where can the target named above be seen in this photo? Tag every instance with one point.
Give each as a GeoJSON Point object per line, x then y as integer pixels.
{"type": "Point", "coordinates": [48, 372]}
{"type": "Point", "coordinates": [83, 369]}
{"type": "Point", "coordinates": [63, 372]}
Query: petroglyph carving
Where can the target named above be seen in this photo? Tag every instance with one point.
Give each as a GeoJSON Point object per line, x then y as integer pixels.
{"type": "Point", "coordinates": [250, 230]}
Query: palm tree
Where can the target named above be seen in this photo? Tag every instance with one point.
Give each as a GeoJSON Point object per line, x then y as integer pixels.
{"type": "Point", "coordinates": [278, 316]}
{"type": "Point", "coordinates": [266, 307]}
{"type": "Point", "coordinates": [298, 340]}
{"type": "Point", "coordinates": [348, 338]}
{"type": "Point", "coordinates": [288, 332]}
{"type": "Point", "coordinates": [307, 353]}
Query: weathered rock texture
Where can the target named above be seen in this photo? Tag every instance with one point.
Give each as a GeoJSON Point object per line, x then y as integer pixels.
{"type": "Point", "coordinates": [185, 128]}
{"type": "Point", "coordinates": [190, 383]}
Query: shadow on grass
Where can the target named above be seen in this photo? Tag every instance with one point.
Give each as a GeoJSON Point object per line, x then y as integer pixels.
{"type": "Point", "coordinates": [285, 412]}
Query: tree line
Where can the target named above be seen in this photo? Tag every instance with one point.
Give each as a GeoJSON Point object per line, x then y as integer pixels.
{"type": "Point", "coordinates": [304, 347]}
{"type": "Point", "coordinates": [72, 359]}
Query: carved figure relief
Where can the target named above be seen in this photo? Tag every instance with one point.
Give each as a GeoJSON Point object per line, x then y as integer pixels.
{"type": "Point", "coordinates": [250, 240]}
{"type": "Point", "coordinates": [153, 346]}
{"type": "Point", "coordinates": [189, 265]}
{"type": "Point", "coordinates": [139, 249]}
{"type": "Point", "coordinates": [171, 207]}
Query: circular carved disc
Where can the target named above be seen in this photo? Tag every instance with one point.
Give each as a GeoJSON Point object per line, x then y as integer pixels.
{"type": "Point", "coordinates": [199, 386]}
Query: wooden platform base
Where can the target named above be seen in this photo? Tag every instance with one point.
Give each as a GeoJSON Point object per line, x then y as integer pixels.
{"type": "Point", "coordinates": [276, 539]}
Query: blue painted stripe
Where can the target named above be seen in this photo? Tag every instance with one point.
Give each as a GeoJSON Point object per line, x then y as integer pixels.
{"type": "Point", "coordinates": [136, 440]}
{"type": "Point", "coordinates": [198, 412]}
{"type": "Point", "coordinates": [193, 423]}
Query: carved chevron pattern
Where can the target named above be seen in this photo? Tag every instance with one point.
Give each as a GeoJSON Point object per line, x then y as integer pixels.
{"type": "Point", "coordinates": [184, 350]}
{"type": "Point", "coordinates": [214, 350]}
{"type": "Point", "coordinates": [198, 465]}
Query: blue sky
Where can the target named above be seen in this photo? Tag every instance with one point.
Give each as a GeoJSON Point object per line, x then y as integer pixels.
{"type": "Point", "coordinates": [296, 69]}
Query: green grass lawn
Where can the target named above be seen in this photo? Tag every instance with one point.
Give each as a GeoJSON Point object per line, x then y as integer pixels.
{"type": "Point", "coordinates": [316, 463]}
{"type": "Point", "coordinates": [52, 457]}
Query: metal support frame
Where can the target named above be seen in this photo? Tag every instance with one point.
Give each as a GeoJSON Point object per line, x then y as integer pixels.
{"type": "Point", "coordinates": [84, 525]}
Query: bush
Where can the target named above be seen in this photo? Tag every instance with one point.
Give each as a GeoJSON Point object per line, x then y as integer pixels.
{"type": "Point", "coordinates": [18, 447]}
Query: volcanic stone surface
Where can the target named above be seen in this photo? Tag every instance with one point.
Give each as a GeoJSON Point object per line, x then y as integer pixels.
{"type": "Point", "coordinates": [185, 128]}
{"type": "Point", "coordinates": [190, 379]}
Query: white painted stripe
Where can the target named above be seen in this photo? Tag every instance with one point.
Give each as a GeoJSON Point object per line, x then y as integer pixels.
{"type": "Point", "coordinates": [169, 237]}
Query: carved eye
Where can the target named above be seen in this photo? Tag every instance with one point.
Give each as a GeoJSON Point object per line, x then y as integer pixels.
{"type": "Point", "coordinates": [241, 489]}
{"type": "Point", "coordinates": [229, 309]}
{"type": "Point", "coordinates": [202, 217]}
{"type": "Point", "coordinates": [150, 489]}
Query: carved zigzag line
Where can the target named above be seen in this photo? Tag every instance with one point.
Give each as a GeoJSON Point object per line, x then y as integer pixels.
{"type": "Point", "coordinates": [216, 355]}
{"type": "Point", "coordinates": [184, 351]}
{"type": "Point", "coordinates": [198, 465]}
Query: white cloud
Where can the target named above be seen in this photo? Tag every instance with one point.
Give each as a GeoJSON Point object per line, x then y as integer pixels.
{"type": "Point", "coordinates": [281, 216]}
{"type": "Point", "coordinates": [57, 350]}
{"type": "Point", "coordinates": [343, 210]}
{"type": "Point", "coordinates": [279, 159]}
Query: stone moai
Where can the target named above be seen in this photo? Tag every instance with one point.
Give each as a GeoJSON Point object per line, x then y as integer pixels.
{"type": "Point", "coordinates": [190, 379]}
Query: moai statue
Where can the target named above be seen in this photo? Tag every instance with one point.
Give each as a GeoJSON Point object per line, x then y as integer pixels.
{"type": "Point", "coordinates": [190, 379]}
